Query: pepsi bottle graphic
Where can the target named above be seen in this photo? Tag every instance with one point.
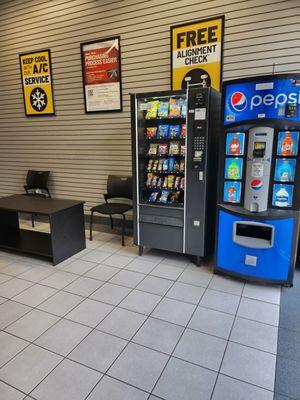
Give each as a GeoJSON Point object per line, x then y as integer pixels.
{"type": "Point", "coordinates": [287, 145]}
{"type": "Point", "coordinates": [232, 194]}
{"type": "Point", "coordinates": [235, 146]}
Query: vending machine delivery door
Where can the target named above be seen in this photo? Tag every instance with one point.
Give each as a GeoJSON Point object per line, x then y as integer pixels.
{"type": "Point", "coordinates": [254, 235]}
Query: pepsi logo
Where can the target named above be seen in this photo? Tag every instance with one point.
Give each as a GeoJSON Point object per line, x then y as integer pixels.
{"type": "Point", "coordinates": [256, 184]}
{"type": "Point", "coordinates": [238, 101]}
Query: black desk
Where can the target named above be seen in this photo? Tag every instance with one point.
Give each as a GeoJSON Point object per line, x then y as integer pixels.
{"type": "Point", "coordinates": [67, 230]}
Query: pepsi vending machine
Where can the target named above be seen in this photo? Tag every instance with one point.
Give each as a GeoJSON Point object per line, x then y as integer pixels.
{"type": "Point", "coordinates": [259, 179]}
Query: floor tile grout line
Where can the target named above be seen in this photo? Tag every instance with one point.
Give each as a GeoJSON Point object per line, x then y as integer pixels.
{"type": "Point", "coordinates": [120, 337]}
{"type": "Point", "coordinates": [135, 288]}
{"type": "Point", "coordinates": [10, 385]}
{"type": "Point", "coordinates": [35, 308]}
{"type": "Point", "coordinates": [147, 317]}
{"type": "Point", "coordinates": [250, 384]}
{"type": "Point", "coordinates": [106, 374]}
{"type": "Point", "coordinates": [160, 300]}
{"type": "Point", "coordinates": [121, 268]}
{"type": "Point", "coordinates": [141, 346]}
{"type": "Point", "coordinates": [229, 341]}
{"type": "Point", "coordinates": [66, 357]}
{"type": "Point", "coordinates": [94, 328]}
{"type": "Point", "coordinates": [118, 305]}
{"type": "Point", "coordinates": [221, 363]}
{"type": "Point", "coordinates": [184, 330]}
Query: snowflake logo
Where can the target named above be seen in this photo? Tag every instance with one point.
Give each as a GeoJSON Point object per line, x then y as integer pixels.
{"type": "Point", "coordinates": [38, 99]}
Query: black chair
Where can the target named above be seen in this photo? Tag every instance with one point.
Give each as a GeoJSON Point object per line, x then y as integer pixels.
{"type": "Point", "coordinates": [117, 187]}
{"type": "Point", "coordinates": [36, 185]}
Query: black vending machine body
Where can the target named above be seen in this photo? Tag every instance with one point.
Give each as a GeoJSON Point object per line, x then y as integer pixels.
{"type": "Point", "coordinates": [174, 148]}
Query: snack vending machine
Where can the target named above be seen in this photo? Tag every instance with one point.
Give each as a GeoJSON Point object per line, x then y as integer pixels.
{"type": "Point", "coordinates": [174, 138]}
{"type": "Point", "coordinates": [259, 179]}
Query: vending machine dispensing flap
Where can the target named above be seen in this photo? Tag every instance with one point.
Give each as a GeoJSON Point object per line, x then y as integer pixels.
{"type": "Point", "coordinates": [255, 235]}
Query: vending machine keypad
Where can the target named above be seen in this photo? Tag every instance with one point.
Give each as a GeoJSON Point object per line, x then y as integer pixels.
{"type": "Point", "coordinates": [199, 143]}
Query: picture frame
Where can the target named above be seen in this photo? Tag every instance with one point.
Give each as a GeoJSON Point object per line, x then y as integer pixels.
{"type": "Point", "coordinates": [101, 75]}
{"type": "Point", "coordinates": [197, 53]}
{"type": "Point", "coordinates": [37, 83]}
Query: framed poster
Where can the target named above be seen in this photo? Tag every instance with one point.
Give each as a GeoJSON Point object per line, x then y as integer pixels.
{"type": "Point", "coordinates": [101, 71]}
{"type": "Point", "coordinates": [197, 53]}
{"type": "Point", "coordinates": [37, 86]}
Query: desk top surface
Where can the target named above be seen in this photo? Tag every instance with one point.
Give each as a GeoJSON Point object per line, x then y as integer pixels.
{"type": "Point", "coordinates": [36, 205]}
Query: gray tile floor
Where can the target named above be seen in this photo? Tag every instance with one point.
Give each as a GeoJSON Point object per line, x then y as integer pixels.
{"type": "Point", "coordinates": [110, 325]}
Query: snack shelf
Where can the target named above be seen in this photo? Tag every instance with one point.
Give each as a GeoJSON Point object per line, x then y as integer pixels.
{"type": "Point", "coordinates": [164, 155]}
{"type": "Point", "coordinates": [182, 118]}
{"type": "Point", "coordinates": [169, 188]}
{"type": "Point", "coordinates": [167, 139]}
{"type": "Point", "coordinates": [164, 173]}
{"type": "Point", "coordinates": [158, 204]}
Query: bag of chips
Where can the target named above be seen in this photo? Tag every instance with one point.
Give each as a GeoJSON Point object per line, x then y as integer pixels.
{"type": "Point", "coordinates": [165, 165]}
{"type": "Point", "coordinates": [182, 183]}
{"type": "Point", "coordinates": [163, 109]}
{"type": "Point", "coordinates": [164, 196]}
{"type": "Point", "coordinates": [177, 182]}
{"type": "Point", "coordinates": [159, 183]}
{"type": "Point", "coordinates": [163, 131]}
{"type": "Point", "coordinates": [174, 131]}
{"type": "Point", "coordinates": [152, 107]}
{"type": "Point", "coordinates": [175, 197]}
{"type": "Point", "coordinates": [154, 180]}
{"type": "Point", "coordinates": [152, 149]}
{"type": "Point", "coordinates": [160, 165]}
{"type": "Point", "coordinates": [175, 108]}
{"type": "Point", "coordinates": [176, 166]}
{"type": "Point", "coordinates": [165, 182]}
{"type": "Point", "coordinates": [150, 164]}
{"type": "Point", "coordinates": [149, 179]}
{"type": "Point", "coordinates": [171, 181]}
{"type": "Point", "coordinates": [183, 130]}
{"type": "Point", "coordinates": [155, 165]}
{"type": "Point", "coordinates": [183, 108]}
{"type": "Point", "coordinates": [182, 150]}
{"type": "Point", "coordinates": [151, 132]}
{"type": "Point", "coordinates": [181, 166]}
{"type": "Point", "coordinates": [154, 195]}
{"type": "Point", "coordinates": [162, 149]}
{"type": "Point", "coordinates": [174, 149]}
{"type": "Point", "coordinates": [171, 164]}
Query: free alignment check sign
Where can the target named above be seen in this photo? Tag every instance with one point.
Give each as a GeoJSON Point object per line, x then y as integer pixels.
{"type": "Point", "coordinates": [37, 83]}
{"type": "Point", "coordinates": [197, 53]}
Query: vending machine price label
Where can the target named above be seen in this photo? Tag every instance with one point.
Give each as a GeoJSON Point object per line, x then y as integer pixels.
{"type": "Point", "coordinates": [257, 170]}
{"type": "Point", "coordinates": [200, 113]}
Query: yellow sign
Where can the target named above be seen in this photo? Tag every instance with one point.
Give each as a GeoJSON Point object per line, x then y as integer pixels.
{"type": "Point", "coordinates": [197, 53]}
{"type": "Point", "coordinates": [37, 83]}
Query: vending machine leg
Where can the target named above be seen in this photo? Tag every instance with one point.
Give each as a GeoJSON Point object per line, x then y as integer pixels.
{"type": "Point", "coordinates": [141, 248]}
{"type": "Point", "coordinates": [198, 261]}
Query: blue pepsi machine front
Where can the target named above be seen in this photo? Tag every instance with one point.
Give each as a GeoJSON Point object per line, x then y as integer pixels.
{"type": "Point", "coordinates": [259, 179]}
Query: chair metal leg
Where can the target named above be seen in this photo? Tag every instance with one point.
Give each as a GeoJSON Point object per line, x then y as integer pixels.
{"type": "Point", "coordinates": [111, 222]}
{"type": "Point", "coordinates": [141, 249]}
{"type": "Point", "coordinates": [123, 229]}
{"type": "Point", "coordinates": [32, 220]}
{"type": "Point", "coordinates": [91, 226]}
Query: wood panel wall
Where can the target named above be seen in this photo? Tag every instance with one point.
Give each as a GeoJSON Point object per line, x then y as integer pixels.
{"type": "Point", "coordinates": [80, 149]}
